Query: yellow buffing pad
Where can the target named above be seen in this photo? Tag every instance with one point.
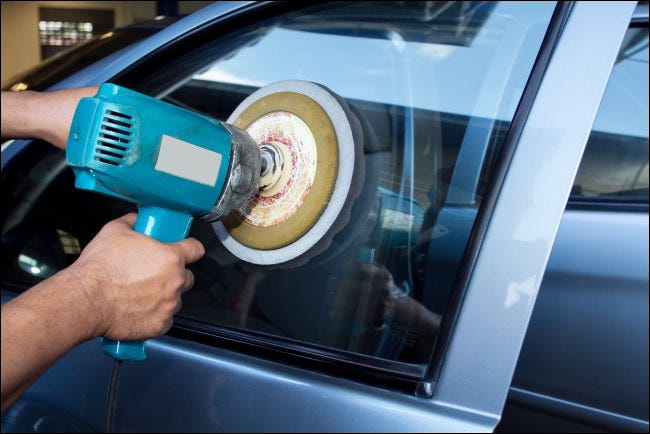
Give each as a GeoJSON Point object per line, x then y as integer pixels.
{"type": "Point", "coordinates": [318, 140]}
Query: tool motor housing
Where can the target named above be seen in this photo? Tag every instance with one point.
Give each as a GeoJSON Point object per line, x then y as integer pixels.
{"type": "Point", "coordinates": [174, 163]}
{"type": "Point", "coordinates": [134, 147]}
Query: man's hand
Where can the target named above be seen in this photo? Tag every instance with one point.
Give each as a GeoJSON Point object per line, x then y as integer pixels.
{"type": "Point", "coordinates": [125, 286]}
{"type": "Point", "coordinates": [41, 115]}
{"type": "Point", "coordinates": [134, 283]}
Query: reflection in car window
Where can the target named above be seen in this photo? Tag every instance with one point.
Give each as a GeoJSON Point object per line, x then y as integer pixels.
{"type": "Point", "coordinates": [437, 84]}
{"type": "Point", "coordinates": [614, 167]}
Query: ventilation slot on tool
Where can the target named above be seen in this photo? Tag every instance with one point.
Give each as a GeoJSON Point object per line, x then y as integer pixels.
{"type": "Point", "coordinates": [115, 138]}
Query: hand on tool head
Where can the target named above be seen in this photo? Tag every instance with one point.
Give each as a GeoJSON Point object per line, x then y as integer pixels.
{"type": "Point", "coordinates": [134, 282]}
{"type": "Point", "coordinates": [41, 115]}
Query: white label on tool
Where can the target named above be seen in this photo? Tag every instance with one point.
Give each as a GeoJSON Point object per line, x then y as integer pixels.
{"type": "Point", "coordinates": [188, 161]}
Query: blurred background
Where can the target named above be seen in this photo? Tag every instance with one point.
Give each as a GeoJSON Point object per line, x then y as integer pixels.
{"type": "Point", "coordinates": [33, 31]}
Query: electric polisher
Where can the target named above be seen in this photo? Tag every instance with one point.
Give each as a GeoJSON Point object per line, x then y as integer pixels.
{"type": "Point", "coordinates": [277, 179]}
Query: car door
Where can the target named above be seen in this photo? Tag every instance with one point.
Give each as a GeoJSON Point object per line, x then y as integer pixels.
{"type": "Point", "coordinates": [475, 118]}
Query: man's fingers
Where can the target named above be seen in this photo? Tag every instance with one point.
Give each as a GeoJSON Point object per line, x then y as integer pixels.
{"type": "Point", "coordinates": [191, 249]}
{"type": "Point", "coordinates": [128, 219]}
{"type": "Point", "coordinates": [189, 281]}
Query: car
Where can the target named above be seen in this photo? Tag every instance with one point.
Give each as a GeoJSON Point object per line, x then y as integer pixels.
{"type": "Point", "coordinates": [505, 197]}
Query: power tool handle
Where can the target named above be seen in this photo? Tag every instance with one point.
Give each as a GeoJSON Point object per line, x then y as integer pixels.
{"type": "Point", "coordinates": [164, 225]}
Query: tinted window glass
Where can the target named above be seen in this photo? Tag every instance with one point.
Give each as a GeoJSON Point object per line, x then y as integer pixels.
{"type": "Point", "coordinates": [615, 163]}
{"type": "Point", "coordinates": [437, 84]}
{"type": "Point", "coordinates": [47, 221]}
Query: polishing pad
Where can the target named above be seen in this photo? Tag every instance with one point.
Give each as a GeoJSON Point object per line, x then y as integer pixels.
{"type": "Point", "coordinates": [316, 146]}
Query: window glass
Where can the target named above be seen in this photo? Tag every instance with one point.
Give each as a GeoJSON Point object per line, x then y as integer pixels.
{"type": "Point", "coordinates": [615, 163]}
{"type": "Point", "coordinates": [438, 85]}
{"type": "Point", "coordinates": [47, 221]}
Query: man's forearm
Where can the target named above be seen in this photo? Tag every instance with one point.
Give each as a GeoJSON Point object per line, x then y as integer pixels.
{"type": "Point", "coordinates": [17, 114]}
{"type": "Point", "coordinates": [41, 115]}
{"type": "Point", "coordinates": [40, 326]}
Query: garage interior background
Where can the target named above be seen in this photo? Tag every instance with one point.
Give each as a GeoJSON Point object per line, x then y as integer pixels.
{"type": "Point", "coordinates": [21, 39]}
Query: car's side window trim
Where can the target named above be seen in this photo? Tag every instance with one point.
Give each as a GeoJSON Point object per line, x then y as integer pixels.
{"type": "Point", "coordinates": [397, 376]}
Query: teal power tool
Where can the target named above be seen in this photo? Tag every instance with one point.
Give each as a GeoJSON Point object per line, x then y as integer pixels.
{"type": "Point", "coordinates": [174, 163]}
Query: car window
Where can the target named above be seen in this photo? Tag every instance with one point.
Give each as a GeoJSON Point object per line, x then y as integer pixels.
{"type": "Point", "coordinates": [436, 85]}
{"type": "Point", "coordinates": [614, 167]}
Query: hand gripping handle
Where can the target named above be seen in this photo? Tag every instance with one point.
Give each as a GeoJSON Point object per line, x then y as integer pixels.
{"type": "Point", "coordinates": [163, 225]}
